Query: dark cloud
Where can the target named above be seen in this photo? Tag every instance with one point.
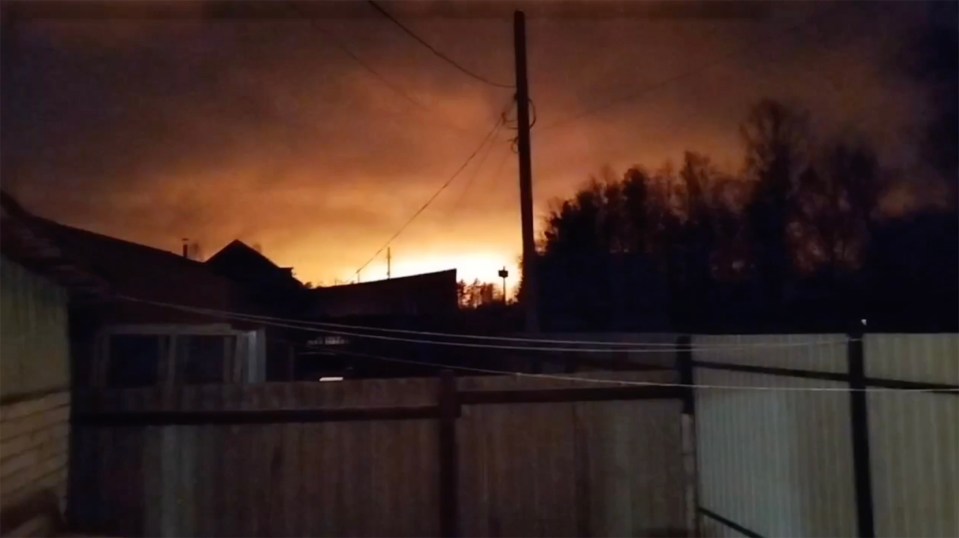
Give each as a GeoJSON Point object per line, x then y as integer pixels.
{"type": "Point", "coordinates": [266, 130]}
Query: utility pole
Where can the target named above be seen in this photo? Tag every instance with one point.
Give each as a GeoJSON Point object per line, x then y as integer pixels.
{"type": "Point", "coordinates": [503, 273]}
{"type": "Point", "coordinates": [530, 283]}
{"type": "Point", "coordinates": [389, 260]}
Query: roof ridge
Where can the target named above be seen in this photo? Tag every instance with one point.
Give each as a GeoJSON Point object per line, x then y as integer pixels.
{"type": "Point", "coordinates": [238, 243]}
{"type": "Point", "coordinates": [49, 222]}
{"type": "Point", "coordinates": [384, 280]}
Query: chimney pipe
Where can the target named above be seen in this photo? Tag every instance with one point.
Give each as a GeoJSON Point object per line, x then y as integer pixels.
{"type": "Point", "coordinates": [186, 248]}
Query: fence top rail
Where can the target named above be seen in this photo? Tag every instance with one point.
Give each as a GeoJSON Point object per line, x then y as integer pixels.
{"type": "Point", "coordinates": [874, 382]}
{"type": "Point", "coordinates": [357, 394]}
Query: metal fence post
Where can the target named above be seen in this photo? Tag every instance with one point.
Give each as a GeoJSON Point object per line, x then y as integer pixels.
{"type": "Point", "coordinates": [448, 464]}
{"type": "Point", "coordinates": [860, 435]}
{"type": "Point", "coordinates": [684, 364]}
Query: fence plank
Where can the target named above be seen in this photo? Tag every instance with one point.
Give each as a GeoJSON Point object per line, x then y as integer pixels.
{"type": "Point", "coordinates": [520, 468]}
{"type": "Point", "coordinates": [311, 504]}
{"type": "Point", "coordinates": [129, 509]}
{"type": "Point", "coordinates": [153, 481]}
{"type": "Point", "coordinates": [333, 471]}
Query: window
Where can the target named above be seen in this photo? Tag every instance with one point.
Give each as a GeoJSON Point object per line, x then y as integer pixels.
{"type": "Point", "coordinates": [321, 341]}
{"type": "Point", "coordinates": [200, 358]}
{"type": "Point", "coordinates": [134, 360]}
{"type": "Point", "coordinates": [151, 355]}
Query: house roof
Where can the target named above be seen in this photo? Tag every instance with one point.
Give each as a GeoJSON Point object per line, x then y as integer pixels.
{"type": "Point", "coordinates": [145, 272]}
{"type": "Point", "coordinates": [423, 294]}
{"type": "Point", "coordinates": [244, 263]}
{"type": "Point", "coordinates": [427, 279]}
{"type": "Point", "coordinates": [239, 249]}
{"type": "Point", "coordinates": [92, 260]}
{"type": "Point", "coordinates": [23, 239]}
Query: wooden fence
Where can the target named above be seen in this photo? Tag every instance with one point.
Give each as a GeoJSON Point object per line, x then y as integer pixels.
{"type": "Point", "coordinates": [477, 456]}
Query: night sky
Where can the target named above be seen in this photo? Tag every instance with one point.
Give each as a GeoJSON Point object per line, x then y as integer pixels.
{"type": "Point", "coordinates": [266, 131]}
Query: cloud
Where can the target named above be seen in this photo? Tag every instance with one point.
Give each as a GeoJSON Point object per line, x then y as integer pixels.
{"type": "Point", "coordinates": [267, 131]}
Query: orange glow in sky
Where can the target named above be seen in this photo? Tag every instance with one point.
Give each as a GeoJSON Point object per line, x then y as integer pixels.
{"type": "Point", "coordinates": [152, 131]}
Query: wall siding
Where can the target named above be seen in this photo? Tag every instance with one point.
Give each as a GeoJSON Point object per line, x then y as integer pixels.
{"type": "Point", "coordinates": [34, 344]}
{"type": "Point", "coordinates": [34, 448]}
{"type": "Point", "coordinates": [34, 393]}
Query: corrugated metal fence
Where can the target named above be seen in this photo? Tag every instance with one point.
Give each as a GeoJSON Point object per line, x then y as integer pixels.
{"type": "Point", "coordinates": [795, 453]}
{"type": "Point", "coordinates": [371, 458]}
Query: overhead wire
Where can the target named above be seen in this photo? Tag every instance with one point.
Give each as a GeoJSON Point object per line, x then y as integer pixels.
{"type": "Point", "coordinates": [635, 383]}
{"type": "Point", "coordinates": [689, 112]}
{"type": "Point", "coordinates": [513, 124]}
{"type": "Point", "coordinates": [656, 85]}
{"type": "Point", "coordinates": [438, 53]}
{"type": "Point", "coordinates": [390, 85]}
{"type": "Point", "coordinates": [356, 58]}
{"type": "Point", "coordinates": [435, 195]}
{"type": "Point", "coordinates": [356, 331]}
{"type": "Point", "coordinates": [582, 379]}
{"type": "Point", "coordinates": [471, 180]}
{"type": "Point", "coordinates": [223, 314]}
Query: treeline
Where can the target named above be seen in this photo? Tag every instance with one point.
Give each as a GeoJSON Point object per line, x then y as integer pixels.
{"type": "Point", "coordinates": [794, 240]}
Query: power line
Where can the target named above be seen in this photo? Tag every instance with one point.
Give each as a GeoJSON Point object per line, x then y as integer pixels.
{"type": "Point", "coordinates": [749, 47]}
{"type": "Point", "coordinates": [434, 50]}
{"type": "Point", "coordinates": [637, 347]}
{"type": "Point", "coordinates": [240, 317]}
{"type": "Point", "coordinates": [632, 383]}
{"type": "Point", "coordinates": [224, 314]}
{"type": "Point", "coordinates": [395, 88]}
{"type": "Point", "coordinates": [473, 176]}
{"type": "Point", "coordinates": [691, 111]}
{"type": "Point", "coordinates": [429, 201]}
{"type": "Point", "coordinates": [359, 61]}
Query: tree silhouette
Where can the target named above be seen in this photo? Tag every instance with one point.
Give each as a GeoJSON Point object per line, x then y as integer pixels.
{"type": "Point", "coordinates": [776, 140]}
{"type": "Point", "coordinates": [785, 242]}
{"type": "Point", "coordinates": [931, 59]}
{"type": "Point", "coordinates": [477, 294]}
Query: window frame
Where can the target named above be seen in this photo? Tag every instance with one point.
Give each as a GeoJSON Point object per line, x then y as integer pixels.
{"type": "Point", "coordinates": [236, 360]}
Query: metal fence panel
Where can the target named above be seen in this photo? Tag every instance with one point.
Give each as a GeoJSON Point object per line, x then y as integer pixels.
{"type": "Point", "coordinates": [817, 352]}
{"type": "Point", "coordinates": [928, 358]}
{"type": "Point", "coordinates": [914, 437]}
{"type": "Point", "coordinates": [777, 462]}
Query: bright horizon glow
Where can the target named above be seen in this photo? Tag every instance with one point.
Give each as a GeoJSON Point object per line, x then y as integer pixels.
{"type": "Point", "coordinates": [482, 266]}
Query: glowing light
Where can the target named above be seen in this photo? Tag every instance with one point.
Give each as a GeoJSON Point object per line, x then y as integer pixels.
{"type": "Point", "coordinates": [483, 266]}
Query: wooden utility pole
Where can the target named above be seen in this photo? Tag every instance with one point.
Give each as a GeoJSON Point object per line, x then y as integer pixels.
{"type": "Point", "coordinates": [503, 273]}
{"type": "Point", "coordinates": [389, 261]}
{"type": "Point", "coordinates": [530, 284]}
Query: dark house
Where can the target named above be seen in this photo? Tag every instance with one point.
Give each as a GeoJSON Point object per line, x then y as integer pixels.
{"type": "Point", "coordinates": [37, 286]}
{"type": "Point", "coordinates": [419, 302]}
{"type": "Point", "coordinates": [273, 291]}
{"type": "Point", "coordinates": [428, 295]}
{"type": "Point", "coordinates": [152, 326]}
{"type": "Point", "coordinates": [266, 283]}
